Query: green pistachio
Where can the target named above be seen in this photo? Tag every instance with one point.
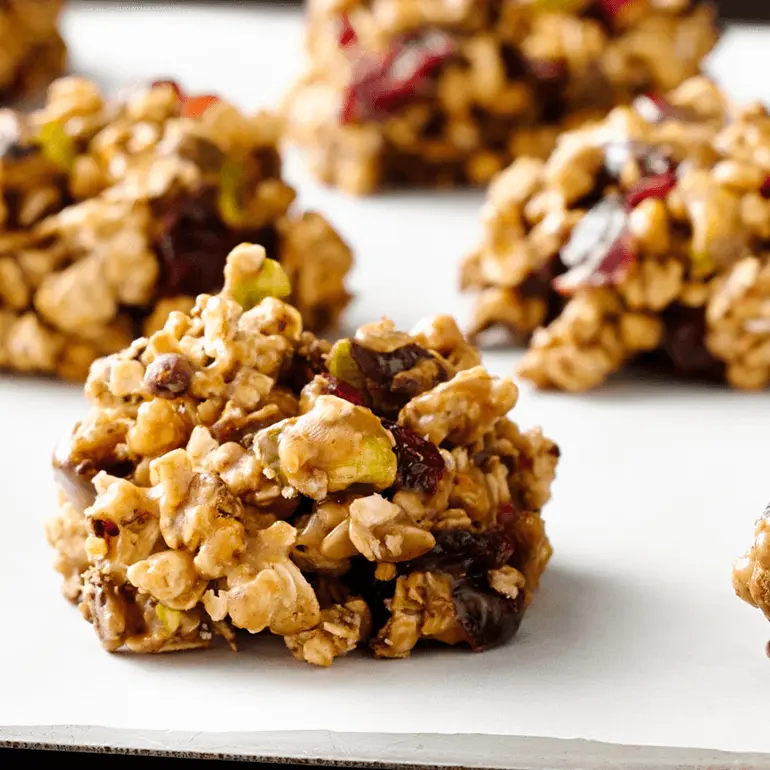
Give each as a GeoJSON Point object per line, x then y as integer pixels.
{"type": "Point", "coordinates": [270, 281]}
{"type": "Point", "coordinates": [343, 366]}
{"type": "Point", "coordinates": [56, 145]}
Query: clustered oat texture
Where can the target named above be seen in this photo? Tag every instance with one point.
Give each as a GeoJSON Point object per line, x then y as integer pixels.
{"type": "Point", "coordinates": [751, 574]}
{"type": "Point", "coordinates": [114, 214]}
{"type": "Point", "coordinates": [237, 473]}
{"type": "Point", "coordinates": [645, 237]}
{"type": "Point", "coordinates": [32, 52]}
{"type": "Point", "coordinates": [444, 92]}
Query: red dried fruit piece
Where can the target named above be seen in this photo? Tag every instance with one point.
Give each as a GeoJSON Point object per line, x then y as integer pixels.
{"type": "Point", "coordinates": [600, 249]}
{"type": "Point", "coordinates": [685, 344]}
{"type": "Point", "coordinates": [487, 618]}
{"type": "Point", "coordinates": [347, 36]}
{"type": "Point", "coordinates": [335, 387]}
{"type": "Point", "coordinates": [379, 370]}
{"type": "Point", "coordinates": [614, 8]}
{"type": "Point", "coordinates": [764, 190]}
{"type": "Point", "coordinates": [381, 83]}
{"type": "Point", "coordinates": [104, 528]}
{"type": "Point", "coordinates": [195, 106]}
{"type": "Point", "coordinates": [658, 186]}
{"type": "Point", "coordinates": [459, 553]}
{"type": "Point", "coordinates": [194, 243]}
{"type": "Point", "coordinates": [420, 464]}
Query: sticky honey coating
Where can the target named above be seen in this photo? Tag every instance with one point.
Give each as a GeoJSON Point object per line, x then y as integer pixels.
{"type": "Point", "coordinates": [642, 238]}
{"type": "Point", "coordinates": [226, 481]}
{"type": "Point", "coordinates": [114, 214]}
{"type": "Point", "coordinates": [446, 92]}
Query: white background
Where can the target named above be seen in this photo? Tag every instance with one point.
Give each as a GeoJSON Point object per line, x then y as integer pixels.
{"type": "Point", "coordinates": [635, 637]}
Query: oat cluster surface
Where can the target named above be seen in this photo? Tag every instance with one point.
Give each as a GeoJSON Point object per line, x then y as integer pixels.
{"type": "Point", "coordinates": [112, 214]}
{"type": "Point", "coordinates": [643, 237]}
{"type": "Point", "coordinates": [443, 92]}
{"type": "Point", "coordinates": [237, 473]}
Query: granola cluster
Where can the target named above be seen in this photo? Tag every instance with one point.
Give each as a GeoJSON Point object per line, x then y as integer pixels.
{"type": "Point", "coordinates": [643, 237]}
{"type": "Point", "coordinates": [237, 473]}
{"type": "Point", "coordinates": [444, 92]}
{"type": "Point", "coordinates": [751, 574]}
{"type": "Point", "coordinates": [114, 214]}
{"type": "Point", "coordinates": [32, 53]}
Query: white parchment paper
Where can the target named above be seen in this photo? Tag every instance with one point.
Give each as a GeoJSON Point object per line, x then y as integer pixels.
{"type": "Point", "coordinates": [635, 637]}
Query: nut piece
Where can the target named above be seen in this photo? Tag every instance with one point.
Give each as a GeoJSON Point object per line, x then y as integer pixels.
{"type": "Point", "coordinates": [384, 532]}
{"type": "Point", "coordinates": [334, 446]}
{"type": "Point", "coordinates": [250, 277]}
{"type": "Point", "coordinates": [421, 608]}
{"type": "Point", "coordinates": [169, 577]}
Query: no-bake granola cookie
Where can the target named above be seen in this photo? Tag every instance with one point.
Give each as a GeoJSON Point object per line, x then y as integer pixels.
{"type": "Point", "coordinates": [236, 472]}
{"type": "Point", "coordinates": [114, 214]}
{"type": "Point", "coordinates": [32, 52]}
{"type": "Point", "coordinates": [751, 574]}
{"type": "Point", "coordinates": [645, 237]}
{"type": "Point", "coordinates": [444, 92]}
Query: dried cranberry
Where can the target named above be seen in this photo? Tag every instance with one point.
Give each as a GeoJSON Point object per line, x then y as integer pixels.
{"type": "Point", "coordinates": [488, 618]}
{"type": "Point", "coordinates": [104, 528]}
{"type": "Point", "coordinates": [685, 343]}
{"type": "Point", "coordinates": [382, 83]}
{"type": "Point", "coordinates": [335, 387]}
{"type": "Point", "coordinates": [347, 35]}
{"type": "Point", "coordinates": [192, 106]}
{"type": "Point", "coordinates": [651, 187]}
{"type": "Point", "coordinates": [383, 367]}
{"type": "Point", "coordinates": [764, 190]}
{"type": "Point", "coordinates": [600, 249]}
{"type": "Point", "coordinates": [420, 464]}
{"type": "Point", "coordinates": [194, 245]}
{"type": "Point", "coordinates": [379, 370]}
{"type": "Point", "coordinates": [459, 552]}
{"type": "Point", "coordinates": [612, 9]}
{"type": "Point", "coordinates": [195, 106]}
{"type": "Point", "coordinates": [360, 581]}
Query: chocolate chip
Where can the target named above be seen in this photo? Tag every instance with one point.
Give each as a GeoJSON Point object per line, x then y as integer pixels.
{"type": "Point", "coordinates": [169, 376]}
